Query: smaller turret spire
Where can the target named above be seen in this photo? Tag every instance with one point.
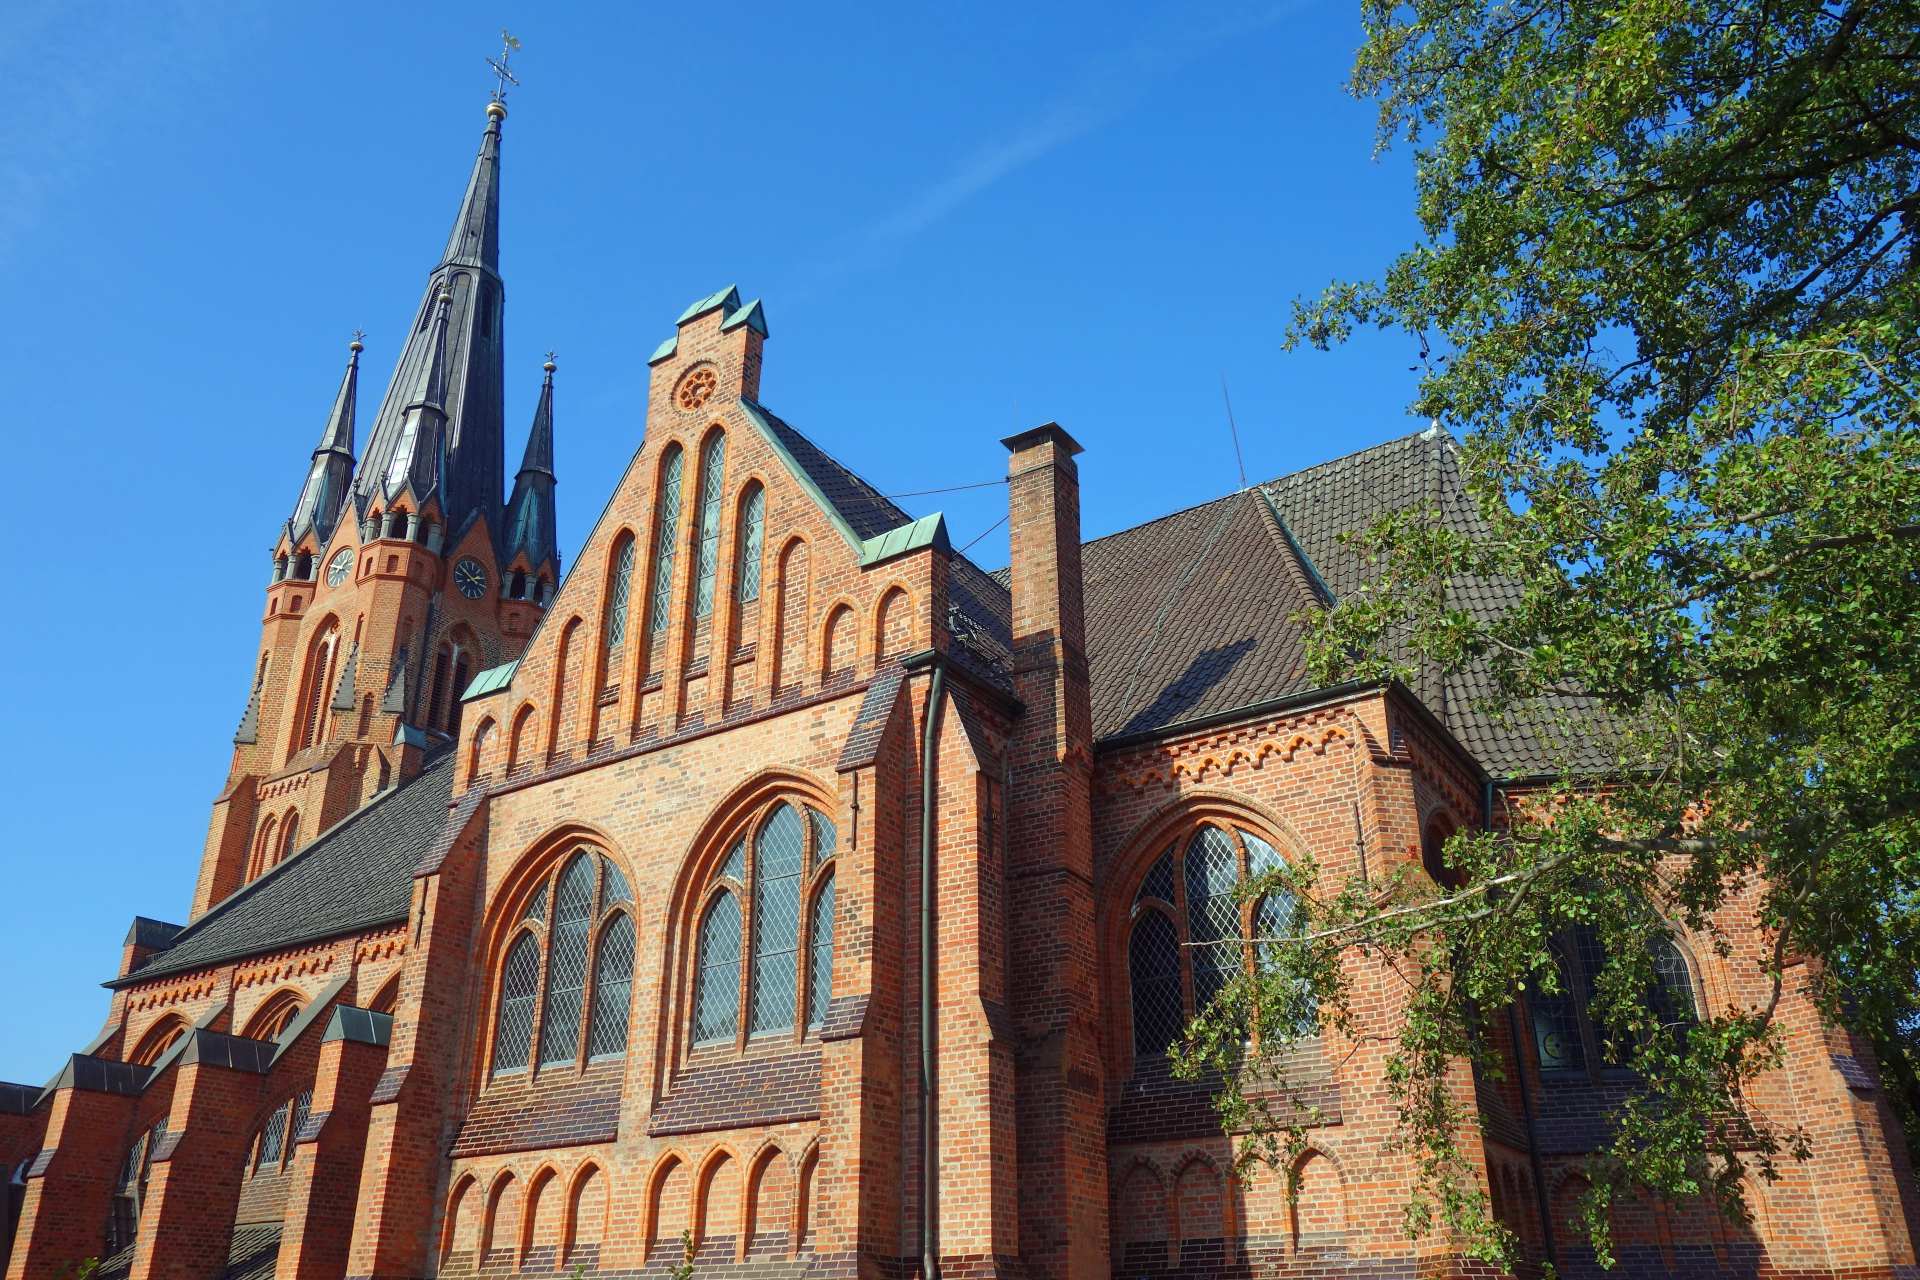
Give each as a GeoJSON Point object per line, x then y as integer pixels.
{"type": "Point", "coordinates": [331, 471]}
{"type": "Point", "coordinates": [419, 456]}
{"type": "Point", "coordinates": [530, 512]}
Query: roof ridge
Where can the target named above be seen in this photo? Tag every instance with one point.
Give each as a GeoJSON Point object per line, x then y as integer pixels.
{"type": "Point", "coordinates": [249, 889]}
{"type": "Point", "coordinates": [1258, 484]}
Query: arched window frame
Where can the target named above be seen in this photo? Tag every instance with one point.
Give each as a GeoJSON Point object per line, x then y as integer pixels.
{"type": "Point", "coordinates": [666, 541]}
{"type": "Point", "coordinates": [1161, 889]}
{"type": "Point", "coordinates": [737, 873]}
{"type": "Point", "coordinates": [1579, 956]}
{"type": "Point", "coordinates": [613, 621]}
{"type": "Point", "coordinates": [316, 691]}
{"type": "Point", "coordinates": [536, 905]}
{"type": "Point", "coordinates": [750, 543]}
{"type": "Point", "coordinates": [704, 533]}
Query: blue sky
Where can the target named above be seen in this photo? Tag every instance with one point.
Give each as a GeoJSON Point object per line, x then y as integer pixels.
{"type": "Point", "coordinates": [963, 221]}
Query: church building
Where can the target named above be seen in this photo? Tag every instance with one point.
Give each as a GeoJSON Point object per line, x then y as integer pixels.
{"type": "Point", "coordinates": [766, 878]}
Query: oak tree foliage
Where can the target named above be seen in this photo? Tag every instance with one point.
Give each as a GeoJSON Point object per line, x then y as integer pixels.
{"type": "Point", "coordinates": [1666, 280]}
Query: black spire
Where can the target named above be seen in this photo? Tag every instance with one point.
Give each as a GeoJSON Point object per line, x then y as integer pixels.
{"type": "Point", "coordinates": [331, 470]}
{"type": "Point", "coordinates": [470, 373]}
{"type": "Point", "coordinates": [530, 513]}
{"type": "Point", "coordinates": [419, 455]}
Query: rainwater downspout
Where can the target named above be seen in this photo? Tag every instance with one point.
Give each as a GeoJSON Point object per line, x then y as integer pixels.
{"type": "Point", "coordinates": [929, 761]}
{"type": "Point", "coordinates": [1526, 1099]}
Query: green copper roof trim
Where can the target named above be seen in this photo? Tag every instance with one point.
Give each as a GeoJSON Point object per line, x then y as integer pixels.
{"type": "Point", "coordinates": [492, 680]}
{"type": "Point", "coordinates": [407, 735]}
{"type": "Point", "coordinates": [927, 531]}
{"type": "Point", "coordinates": [664, 350]}
{"type": "Point", "coordinates": [798, 472]}
{"type": "Point", "coordinates": [728, 297]}
{"type": "Point", "coordinates": [753, 315]}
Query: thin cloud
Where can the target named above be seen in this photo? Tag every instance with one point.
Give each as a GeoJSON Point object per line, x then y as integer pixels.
{"type": "Point", "coordinates": [1101, 92]}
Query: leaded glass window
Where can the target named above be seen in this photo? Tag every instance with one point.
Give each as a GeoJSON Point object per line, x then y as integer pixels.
{"type": "Point", "coordinates": [764, 958]}
{"type": "Point", "coordinates": [753, 515]}
{"type": "Point", "coordinates": [1213, 913]}
{"type": "Point", "coordinates": [302, 1106]}
{"type": "Point", "coordinates": [519, 984]}
{"type": "Point", "coordinates": [713, 466]}
{"type": "Point", "coordinates": [567, 962]}
{"type": "Point", "coordinates": [271, 1137]}
{"type": "Point", "coordinates": [665, 526]}
{"type": "Point", "coordinates": [614, 625]}
{"type": "Point", "coordinates": [1568, 1036]}
{"type": "Point", "coordinates": [613, 885]}
{"type": "Point", "coordinates": [612, 989]}
{"type": "Point", "coordinates": [578, 973]}
{"type": "Point", "coordinates": [1153, 968]}
{"type": "Point", "coordinates": [778, 852]}
{"type": "Point", "coordinates": [820, 963]}
{"type": "Point", "coordinates": [716, 1005]}
{"type": "Point", "coordinates": [1190, 928]}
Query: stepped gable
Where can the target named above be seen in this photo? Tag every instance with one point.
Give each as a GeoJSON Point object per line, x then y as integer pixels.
{"type": "Point", "coordinates": [1197, 613]}
{"type": "Point", "coordinates": [355, 877]}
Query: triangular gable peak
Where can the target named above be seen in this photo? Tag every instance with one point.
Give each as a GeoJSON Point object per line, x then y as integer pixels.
{"type": "Point", "coordinates": [735, 570]}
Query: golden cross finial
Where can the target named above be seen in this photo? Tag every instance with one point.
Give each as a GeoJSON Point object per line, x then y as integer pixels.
{"type": "Point", "coordinates": [504, 77]}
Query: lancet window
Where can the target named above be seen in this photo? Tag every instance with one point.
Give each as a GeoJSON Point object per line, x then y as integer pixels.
{"type": "Point", "coordinates": [566, 983]}
{"type": "Point", "coordinates": [763, 965]}
{"type": "Point", "coordinates": [1192, 927]}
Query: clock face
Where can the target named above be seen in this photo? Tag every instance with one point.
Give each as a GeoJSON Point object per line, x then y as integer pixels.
{"type": "Point", "coordinates": [470, 578]}
{"type": "Point", "coordinates": [338, 566]}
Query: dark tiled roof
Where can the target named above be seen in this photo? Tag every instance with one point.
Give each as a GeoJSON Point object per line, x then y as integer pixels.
{"type": "Point", "coordinates": [358, 875]}
{"type": "Point", "coordinates": [1195, 613]}
{"type": "Point", "coordinates": [978, 597]}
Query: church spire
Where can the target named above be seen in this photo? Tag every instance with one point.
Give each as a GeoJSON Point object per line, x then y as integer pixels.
{"type": "Point", "coordinates": [468, 355]}
{"type": "Point", "coordinates": [530, 514]}
{"type": "Point", "coordinates": [418, 460]}
{"type": "Point", "coordinates": [331, 471]}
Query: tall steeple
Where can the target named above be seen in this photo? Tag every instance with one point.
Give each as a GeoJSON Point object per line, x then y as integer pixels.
{"type": "Point", "coordinates": [530, 513]}
{"type": "Point", "coordinates": [471, 373]}
{"type": "Point", "coordinates": [331, 471]}
{"type": "Point", "coordinates": [419, 455]}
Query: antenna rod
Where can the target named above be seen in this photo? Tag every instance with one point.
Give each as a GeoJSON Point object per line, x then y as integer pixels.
{"type": "Point", "coordinates": [1234, 428]}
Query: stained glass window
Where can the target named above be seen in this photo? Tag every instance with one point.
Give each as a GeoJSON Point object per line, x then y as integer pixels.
{"type": "Point", "coordinates": [613, 885]}
{"type": "Point", "coordinates": [519, 983]}
{"type": "Point", "coordinates": [716, 1005]}
{"type": "Point", "coordinates": [776, 920]}
{"type": "Point", "coordinates": [824, 836]}
{"type": "Point", "coordinates": [614, 626]}
{"type": "Point", "coordinates": [735, 867]}
{"type": "Point", "coordinates": [567, 962]}
{"type": "Point", "coordinates": [666, 524]}
{"type": "Point", "coordinates": [713, 465]}
{"type": "Point", "coordinates": [536, 905]}
{"type": "Point", "coordinates": [1153, 967]}
{"type": "Point", "coordinates": [820, 961]}
{"type": "Point", "coordinates": [612, 990]}
{"type": "Point", "coordinates": [1213, 916]}
{"type": "Point", "coordinates": [1159, 880]}
{"type": "Point", "coordinates": [753, 513]}
{"type": "Point", "coordinates": [1556, 1031]}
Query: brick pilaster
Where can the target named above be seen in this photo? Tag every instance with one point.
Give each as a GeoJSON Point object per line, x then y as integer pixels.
{"type": "Point", "coordinates": [330, 1147]}
{"type": "Point", "coordinates": [63, 1220]}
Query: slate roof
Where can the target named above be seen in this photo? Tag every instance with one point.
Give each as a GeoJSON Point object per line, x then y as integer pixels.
{"type": "Point", "coordinates": [358, 875]}
{"type": "Point", "coordinates": [1195, 613]}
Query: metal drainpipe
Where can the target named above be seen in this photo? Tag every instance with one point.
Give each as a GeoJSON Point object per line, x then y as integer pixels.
{"type": "Point", "coordinates": [1526, 1102]}
{"type": "Point", "coordinates": [929, 758]}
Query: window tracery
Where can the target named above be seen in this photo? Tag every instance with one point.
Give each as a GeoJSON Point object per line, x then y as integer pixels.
{"type": "Point", "coordinates": [1191, 927]}
{"type": "Point", "coordinates": [568, 973]}
{"type": "Point", "coordinates": [763, 964]}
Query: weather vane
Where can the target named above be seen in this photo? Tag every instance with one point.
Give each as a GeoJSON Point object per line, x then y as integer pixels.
{"type": "Point", "coordinates": [505, 77]}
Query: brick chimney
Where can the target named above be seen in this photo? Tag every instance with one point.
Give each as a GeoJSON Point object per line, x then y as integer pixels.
{"type": "Point", "coordinates": [1058, 1096]}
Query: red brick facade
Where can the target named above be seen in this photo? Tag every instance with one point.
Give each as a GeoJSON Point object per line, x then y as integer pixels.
{"type": "Point", "coordinates": [363, 1102]}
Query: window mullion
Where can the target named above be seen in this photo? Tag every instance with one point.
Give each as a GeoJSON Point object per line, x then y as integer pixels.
{"type": "Point", "coordinates": [540, 980]}
{"type": "Point", "coordinates": [1180, 926]}
{"type": "Point", "coordinates": [748, 920]}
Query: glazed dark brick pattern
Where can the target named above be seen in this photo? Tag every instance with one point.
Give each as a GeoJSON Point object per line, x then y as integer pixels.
{"type": "Point", "coordinates": [554, 1109]}
{"type": "Point", "coordinates": [1154, 1106]}
{"type": "Point", "coordinates": [733, 1095]}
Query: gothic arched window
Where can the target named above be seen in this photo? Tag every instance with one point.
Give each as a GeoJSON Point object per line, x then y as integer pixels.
{"type": "Point", "coordinates": [764, 960]}
{"type": "Point", "coordinates": [567, 979]}
{"type": "Point", "coordinates": [666, 523]}
{"type": "Point", "coordinates": [753, 518]}
{"type": "Point", "coordinates": [290, 842]}
{"type": "Point", "coordinates": [1190, 929]}
{"type": "Point", "coordinates": [706, 524]}
{"type": "Point", "coordinates": [613, 625]}
{"type": "Point", "coordinates": [317, 689]}
{"type": "Point", "coordinates": [1567, 1034]}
